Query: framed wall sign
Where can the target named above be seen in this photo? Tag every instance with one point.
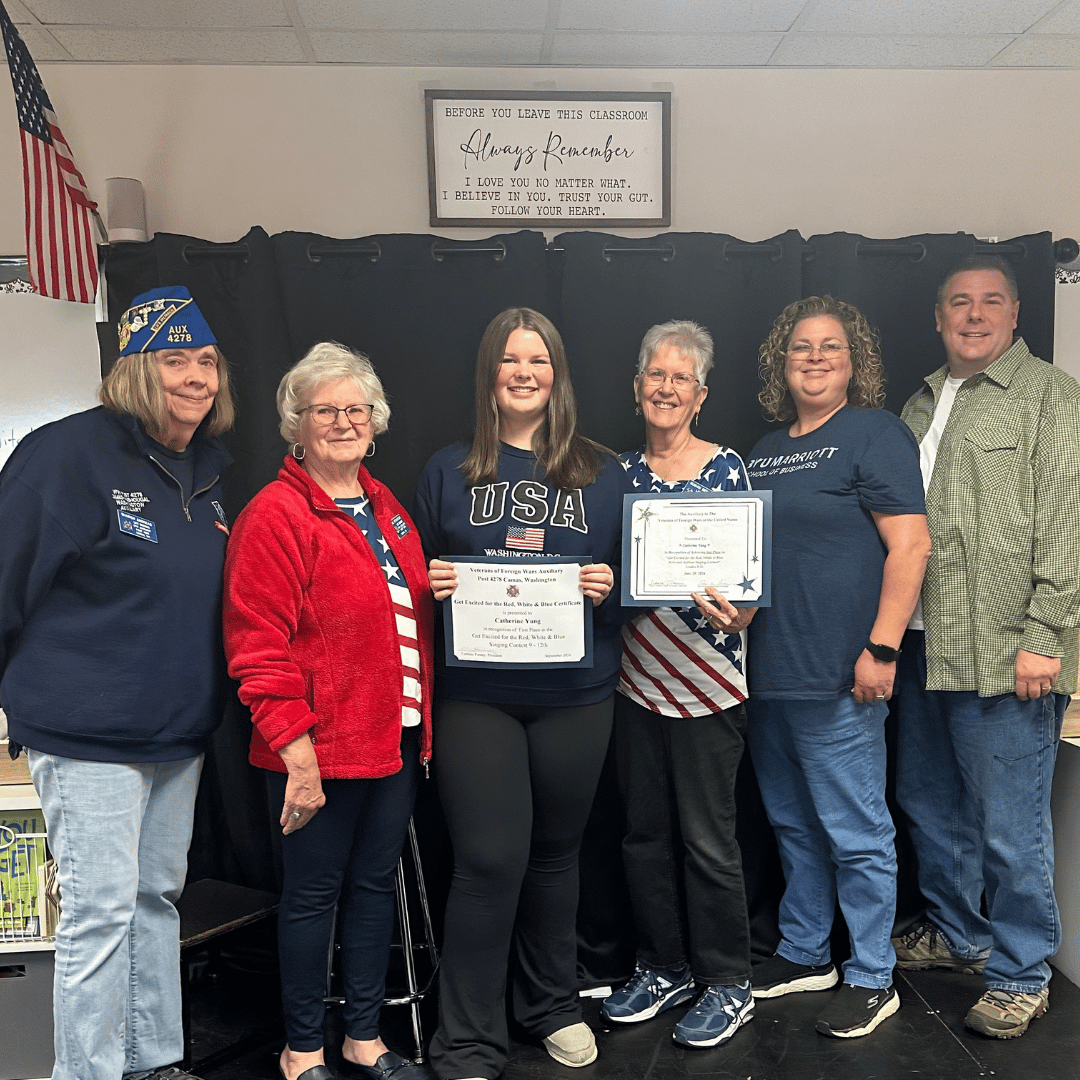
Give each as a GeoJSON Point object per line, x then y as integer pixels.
{"type": "Point", "coordinates": [548, 158]}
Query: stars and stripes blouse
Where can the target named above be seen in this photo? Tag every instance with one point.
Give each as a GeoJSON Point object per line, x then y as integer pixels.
{"type": "Point", "coordinates": [673, 662]}
{"type": "Point", "coordinates": [403, 610]}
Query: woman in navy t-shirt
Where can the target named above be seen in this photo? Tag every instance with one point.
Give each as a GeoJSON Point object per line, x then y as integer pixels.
{"type": "Point", "coordinates": [849, 550]}
{"type": "Point", "coordinates": [519, 750]}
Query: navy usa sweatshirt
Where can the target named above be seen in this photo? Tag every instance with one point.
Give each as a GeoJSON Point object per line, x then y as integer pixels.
{"type": "Point", "coordinates": [457, 519]}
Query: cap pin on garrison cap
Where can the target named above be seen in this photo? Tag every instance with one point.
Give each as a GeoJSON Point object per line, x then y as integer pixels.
{"type": "Point", "coordinates": [162, 319]}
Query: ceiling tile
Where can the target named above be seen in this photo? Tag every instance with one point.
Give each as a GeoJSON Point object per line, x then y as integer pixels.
{"type": "Point", "coordinates": [663, 50]}
{"type": "Point", "coordinates": [42, 46]}
{"type": "Point", "coordinates": [688, 16]}
{"type": "Point", "coordinates": [427, 49]}
{"type": "Point", "coordinates": [423, 14]}
{"type": "Point", "coordinates": [1060, 52]}
{"type": "Point", "coordinates": [864, 51]}
{"type": "Point", "coordinates": [1066, 20]}
{"type": "Point", "coordinates": [178, 13]}
{"type": "Point", "coordinates": [16, 11]}
{"type": "Point", "coordinates": [974, 17]}
{"type": "Point", "coordinates": [175, 46]}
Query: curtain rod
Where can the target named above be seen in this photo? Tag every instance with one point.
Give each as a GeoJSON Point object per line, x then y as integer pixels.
{"type": "Point", "coordinates": [1066, 250]}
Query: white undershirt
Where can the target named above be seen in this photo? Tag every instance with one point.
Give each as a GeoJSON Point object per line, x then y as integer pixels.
{"type": "Point", "coordinates": [928, 449]}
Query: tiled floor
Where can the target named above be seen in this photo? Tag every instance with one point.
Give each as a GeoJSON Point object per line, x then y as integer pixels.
{"type": "Point", "coordinates": [925, 1040]}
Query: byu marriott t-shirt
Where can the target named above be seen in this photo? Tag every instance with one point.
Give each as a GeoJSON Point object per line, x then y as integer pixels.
{"type": "Point", "coordinates": [827, 554]}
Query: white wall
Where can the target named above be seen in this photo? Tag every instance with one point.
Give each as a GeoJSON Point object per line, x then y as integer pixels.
{"type": "Point", "coordinates": [341, 150]}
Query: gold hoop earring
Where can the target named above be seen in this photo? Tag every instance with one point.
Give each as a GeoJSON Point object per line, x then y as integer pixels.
{"type": "Point", "coordinates": [296, 446]}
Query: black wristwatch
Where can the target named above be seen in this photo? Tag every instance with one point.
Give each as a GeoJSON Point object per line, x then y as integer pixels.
{"type": "Point", "coordinates": [885, 653]}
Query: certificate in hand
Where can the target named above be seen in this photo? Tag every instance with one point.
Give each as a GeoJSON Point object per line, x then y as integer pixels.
{"type": "Point", "coordinates": [522, 613]}
{"type": "Point", "coordinates": [676, 543]}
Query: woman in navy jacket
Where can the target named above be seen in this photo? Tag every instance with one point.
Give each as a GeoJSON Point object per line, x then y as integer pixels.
{"type": "Point", "coordinates": [520, 750]}
{"type": "Point", "coordinates": [112, 540]}
{"type": "Point", "coordinates": [328, 628]}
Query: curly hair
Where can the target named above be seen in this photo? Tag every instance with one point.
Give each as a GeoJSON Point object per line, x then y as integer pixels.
{"type": "Point", "coordinates": [867, 386]}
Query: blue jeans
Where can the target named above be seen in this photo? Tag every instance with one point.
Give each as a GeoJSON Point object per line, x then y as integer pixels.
{"type": "Point", "coordinates": [821, 769]}
{"type": "Point", "coordinates": [973, 776]}
{"type": "Point", "coordinates": [120, 835]}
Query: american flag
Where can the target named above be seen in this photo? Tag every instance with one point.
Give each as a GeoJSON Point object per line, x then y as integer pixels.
{"type": "Point", "coordinates": [527, 539]}
{"type": "Point", "coordinates": [60, 247]}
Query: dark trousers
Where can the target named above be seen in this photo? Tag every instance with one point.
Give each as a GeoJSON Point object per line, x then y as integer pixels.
{"type": "Point", "coordinates": [346, 856]}
{"type": "Point", "coordinates": [683, 864]}
{"type": "Point", "coordinates": [516, 783]}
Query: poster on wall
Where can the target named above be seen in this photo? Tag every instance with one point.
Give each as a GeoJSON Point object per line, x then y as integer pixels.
{"type": "Point", "coordinates": [556, 159]}
{"type": "Point", "coordinates": [49, 365]}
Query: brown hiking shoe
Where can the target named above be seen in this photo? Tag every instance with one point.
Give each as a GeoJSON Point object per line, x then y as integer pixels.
{"type": "Point", "coordinates": [924, 946]}
{"type": "Point", "coordinates": [1005, 1014]}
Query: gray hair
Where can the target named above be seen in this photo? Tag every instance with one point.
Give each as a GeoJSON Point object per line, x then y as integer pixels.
{"type": "Point", "coordinates": [324, 363]}
{"type": "Point", "coordinates": [692, 341]}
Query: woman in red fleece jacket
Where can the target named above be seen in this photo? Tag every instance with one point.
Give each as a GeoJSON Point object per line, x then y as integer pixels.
{"type": "Point", "coordinates": [328, 627]}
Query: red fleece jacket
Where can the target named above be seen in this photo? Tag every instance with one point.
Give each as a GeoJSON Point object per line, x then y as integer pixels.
{"type": "Point", "coordinates": [310, 629]}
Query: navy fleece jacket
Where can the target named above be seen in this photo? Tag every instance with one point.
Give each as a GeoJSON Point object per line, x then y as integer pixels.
{"type": "Point", "coordinates": [110, 593]}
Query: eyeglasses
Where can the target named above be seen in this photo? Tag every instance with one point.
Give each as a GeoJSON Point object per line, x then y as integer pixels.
{"type": "Point", "coordinates": [681, 380]}
{"type": "Point", "coordinates": [325, 415]}
{"type": "Point", "coordinates": [829, 351]}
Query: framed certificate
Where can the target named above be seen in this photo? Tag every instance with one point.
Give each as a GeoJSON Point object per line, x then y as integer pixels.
{"type": "Point", "coordinates": [676, 543]}
{"type": "Point", "coordinates": [521, 613]}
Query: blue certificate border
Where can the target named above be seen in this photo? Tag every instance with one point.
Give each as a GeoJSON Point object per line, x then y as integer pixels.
{"type": "Point", "coordinates": [526, 560]}
{"type": "Point", "coordinates": [764, 497]}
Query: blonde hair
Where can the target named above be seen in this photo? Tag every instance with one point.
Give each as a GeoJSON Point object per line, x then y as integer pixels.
{"type": "Point", "coordinates": [133, 388]}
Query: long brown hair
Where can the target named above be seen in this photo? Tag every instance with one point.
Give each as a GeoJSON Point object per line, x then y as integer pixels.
{"type": "Point", "coordinates": [568, 459]}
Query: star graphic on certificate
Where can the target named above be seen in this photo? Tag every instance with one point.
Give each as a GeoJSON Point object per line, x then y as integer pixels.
{"type": "Point", "coordinates": [645, 514]}
{"type": "Point", "coordinates": [747, 584]}
{"type": "Point", "coordinates": [390, 570]}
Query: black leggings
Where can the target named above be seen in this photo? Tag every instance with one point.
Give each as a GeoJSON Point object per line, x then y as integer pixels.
{"type": "Point", "coordinates": [345, 856]}
{"type": "Point", "coordinates": [516, 784]}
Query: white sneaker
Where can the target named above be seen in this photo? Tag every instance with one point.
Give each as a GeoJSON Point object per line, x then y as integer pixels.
{"type": "Point", "coordinates": [574, 1045]}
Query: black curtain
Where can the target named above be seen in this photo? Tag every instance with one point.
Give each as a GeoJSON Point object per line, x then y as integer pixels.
{"type": "Point", "coordinates": [894, 284]}
{"type": "Point", "coordinates": [614, 289]}
{"type": "Point", "coordinates": [417, 305]}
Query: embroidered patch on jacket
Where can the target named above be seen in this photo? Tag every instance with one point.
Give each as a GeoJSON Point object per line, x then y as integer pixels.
{"type": "Point", "coordinates": [399, 525]}
{"type": "Point", "coordinates": [130, 500]}
{"type": "Point", "coordinates": [140, 527]}
{"type": "Point", "coordinates": [526, 539]}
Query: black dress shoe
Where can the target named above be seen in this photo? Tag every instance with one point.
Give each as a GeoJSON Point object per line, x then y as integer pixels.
{"type": "Point", "coordinates": [390, 1066]}
{"type": "Point", "coordinates": [316, 1072]}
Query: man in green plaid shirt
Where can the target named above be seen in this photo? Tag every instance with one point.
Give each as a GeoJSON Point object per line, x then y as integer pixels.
{"type": "Point", "coordinates": [991, 657]}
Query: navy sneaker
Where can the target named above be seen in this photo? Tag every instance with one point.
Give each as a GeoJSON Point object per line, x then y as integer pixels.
{"type": "Point", "coordinates": [646, 994]}
{"type": "Point", "coordinates": [717, 1015]}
